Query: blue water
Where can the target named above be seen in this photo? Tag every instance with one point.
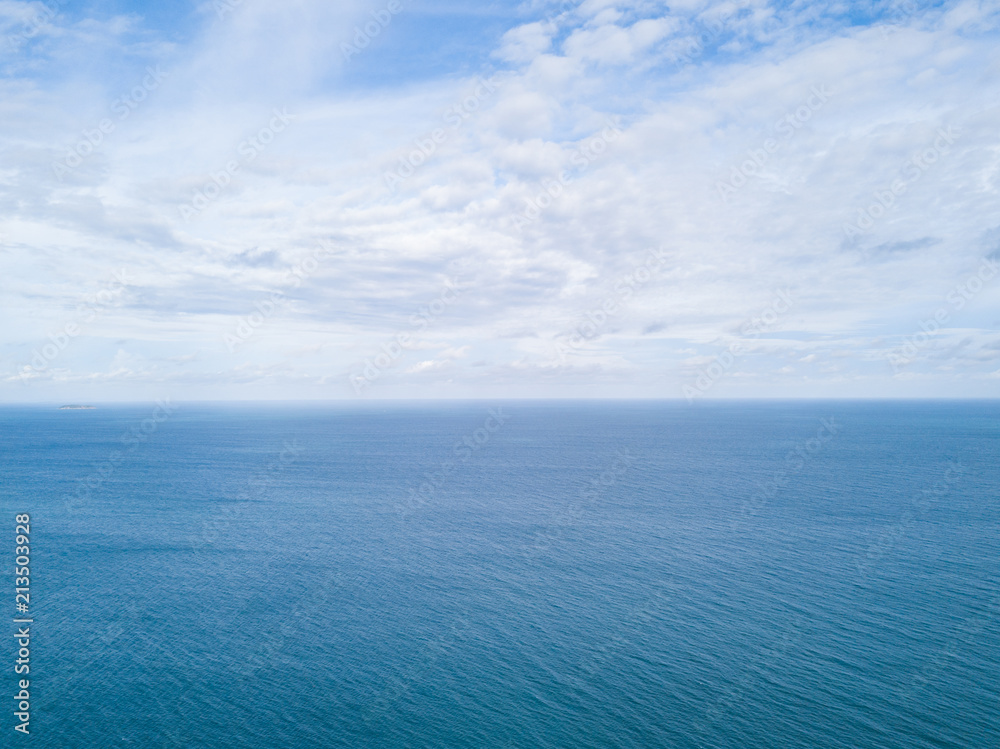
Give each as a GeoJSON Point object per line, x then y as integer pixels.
{"type": "Point", "coordinates": [583, 575]}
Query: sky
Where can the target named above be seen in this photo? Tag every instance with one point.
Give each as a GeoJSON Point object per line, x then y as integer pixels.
{"type": "Point", "coordinates": [240, 199]}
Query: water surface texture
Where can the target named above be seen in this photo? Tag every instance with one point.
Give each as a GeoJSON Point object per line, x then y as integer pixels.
{"type": "Point", "coordinates": [820, 574]}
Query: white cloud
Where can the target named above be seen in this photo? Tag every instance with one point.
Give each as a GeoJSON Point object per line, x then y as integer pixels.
{"type": "Point", "coordinates": [616, 45]}
{"type": "Point", "coordinates": [684, 129]}
{"type": "Point", "coordinates": [524, 43]}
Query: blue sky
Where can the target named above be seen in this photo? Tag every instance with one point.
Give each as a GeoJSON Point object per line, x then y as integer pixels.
{"type": "Point", "coordinates": [240, 200]}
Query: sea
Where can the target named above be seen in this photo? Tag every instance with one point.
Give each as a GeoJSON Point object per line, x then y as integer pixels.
{"type": "Point", "coordinates": [508, 574]}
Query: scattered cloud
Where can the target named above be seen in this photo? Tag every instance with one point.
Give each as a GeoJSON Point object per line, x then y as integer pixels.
{"type": "Point", "coordinates": [697, 89]}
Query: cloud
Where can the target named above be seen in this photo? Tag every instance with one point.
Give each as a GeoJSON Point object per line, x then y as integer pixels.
{"type": "Point", "coordinates": [525, 43]}
{"type": "Point", "coordinates": [616, 45]}
{"type": "Point", "coordinates": [518, 190]}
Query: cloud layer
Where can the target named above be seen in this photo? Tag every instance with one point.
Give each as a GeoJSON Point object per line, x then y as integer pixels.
{"type": "Point", "coordinates": [598, 199]}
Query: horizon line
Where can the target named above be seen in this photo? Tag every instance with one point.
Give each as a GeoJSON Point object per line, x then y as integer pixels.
{"type": "Point", "coordinates": [480, 399]}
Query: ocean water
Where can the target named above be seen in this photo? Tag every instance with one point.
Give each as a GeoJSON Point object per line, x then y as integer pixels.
{"type": "Point", "coordinates": [518, 574]}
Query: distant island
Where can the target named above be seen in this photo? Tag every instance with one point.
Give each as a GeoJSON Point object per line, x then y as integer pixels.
{"type": "Point", "coordinates": [75, 407]}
